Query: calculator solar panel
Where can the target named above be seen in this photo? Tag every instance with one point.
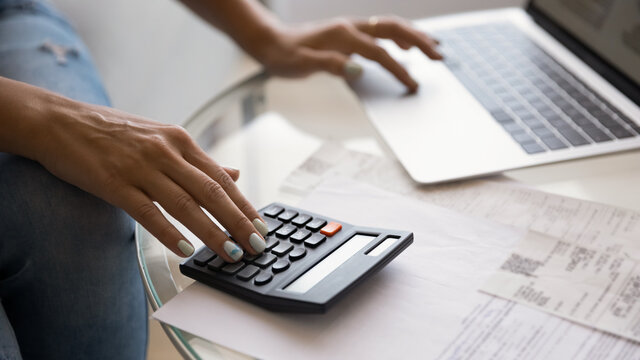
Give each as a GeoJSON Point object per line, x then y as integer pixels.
{"type": "Point", "coordinates": [310, 261]}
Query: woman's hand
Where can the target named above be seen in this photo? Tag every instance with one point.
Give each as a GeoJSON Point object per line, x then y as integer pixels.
{"type": "Point", "coordinates": [326, 46]}
{"type": "Point", "coordinates": [322, 46]}
{"type": "Point", "coordinates": [132, 162]}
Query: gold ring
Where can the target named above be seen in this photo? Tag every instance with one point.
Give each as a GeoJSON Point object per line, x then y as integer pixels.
{"type": "Point", "coordinates": [373, 22]}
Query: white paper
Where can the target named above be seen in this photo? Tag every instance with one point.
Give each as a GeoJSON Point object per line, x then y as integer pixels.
{"type": "Point", "coordinates": [411, 309]}
{"type": "Point", "coordinates": [499, 328]}
{"type": "Point", "coordinates": [599, 288]}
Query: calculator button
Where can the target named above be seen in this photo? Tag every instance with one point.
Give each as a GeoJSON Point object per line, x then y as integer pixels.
{"type": "Point", "coordinates": [247, 273]}
{"type": "Point", "coordinates": [232, 268]}
{"type": "Point", "coordinates": [272, 225]}
{"type": "Point", "coordinates": [271, 242]}
{"type": "Point", "coordinates": [262, 279]}
{"type": "Point", "coordinates": [203, 257]}
{"type": "Point", "coordinates": [280, 266]}
{"type": "Point", "coordinates": [331, 228]}
{"type": "Point", "coordinates": [265, 260]}
{"type": "Point", "coordinates": [315, 240]}
{"type": "Point", "coordinates": [287, 215]}
{"type": "Point", "coordinates": [316, 224]}
{"type": "Point", "coordinates": [273, 210]}
{"type": "Point", "coordinates": [299, 236]}
{"type": "Point", "coordinates": [301, 219]}
{"type": "Point", "coordinates": [297, 254]}
{"type": "Point", "coordinates": [285, 231]}
{"type": "Point", "coordinates": [216, 264]}
{"type": "Point", "coordinates": [282, 248]}
{"type": "Point", "coordinates": [249, 258]}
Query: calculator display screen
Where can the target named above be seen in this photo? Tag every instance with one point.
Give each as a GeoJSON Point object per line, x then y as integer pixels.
{"type": "Point", "coordinates": [314, 275]}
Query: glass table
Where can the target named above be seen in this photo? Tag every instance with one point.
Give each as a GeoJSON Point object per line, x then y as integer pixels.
{"type": "Point", "coordinates": [266, 127]}
{"type": "Point", "coordinates": [250, 127]}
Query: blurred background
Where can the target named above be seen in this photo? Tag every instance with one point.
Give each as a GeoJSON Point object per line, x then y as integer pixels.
{"type": "Point", "coordinates": [158, 60]}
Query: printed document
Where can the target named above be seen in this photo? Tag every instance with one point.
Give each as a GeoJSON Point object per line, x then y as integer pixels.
{"type": "Point", "coordinates": [498, 328]}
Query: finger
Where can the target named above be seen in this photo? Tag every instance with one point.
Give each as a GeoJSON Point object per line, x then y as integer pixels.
{"type": "Point", "coordinates": [145, 212]}
{"type": "Point", "coordinates": [204, 164]}
{"type": "Point", "coordinates": [366, 46]}
{"type": "Point", "coordinates": [214, 194]}
{"type": "Point", "coordinates": [332, 62]}
{"type": "Point", "coordinates": [403, 44]}
{"type": "Point", "coordinates": [233, 172]}
{"type": "Point", "coordinates": [182, 206]}
{"type": "Point", "coordinates": [399, 30]}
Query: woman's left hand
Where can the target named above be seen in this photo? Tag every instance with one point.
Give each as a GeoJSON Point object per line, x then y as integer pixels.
{"type": "Point", "coordinates": [327, 46]}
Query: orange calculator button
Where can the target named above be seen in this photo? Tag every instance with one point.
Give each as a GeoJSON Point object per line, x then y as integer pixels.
{"type": "Point", "coordinates": [330, 229]}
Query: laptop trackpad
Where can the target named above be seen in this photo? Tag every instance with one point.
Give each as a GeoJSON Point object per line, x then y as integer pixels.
{"type": "Point", "coordinates": [441, 132]}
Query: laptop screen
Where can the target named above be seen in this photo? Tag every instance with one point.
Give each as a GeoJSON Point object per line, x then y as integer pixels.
{"type": "Point", "coordinates": [611, 28]}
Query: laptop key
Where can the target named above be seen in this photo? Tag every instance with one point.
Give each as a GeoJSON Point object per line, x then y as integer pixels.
{"type": "Point", "coordinates": [557, 121]}
{"type": "Point", "coordinates": [608, 122]}
{"type": "Point", "coordinates": [553, 142]}
{"type": "Point", "coordinates": [501, 116]}
{"type": "Point", "coordinates": [596, 134]}
{"type": "Point", "coordinates": [512, 127]}
{"type": "Point", "coordinates": [532, 148]}
{"type": "Point", "coordinates": [532, 121]}
{"type": "Point", "coordinates": [620, 132]}
{"type": "Point", "coordinates": [581, 120]}
{"type": "Point", "coordinates": [572, 136]}
{"type": "Point", "coordinates": [522, 137]}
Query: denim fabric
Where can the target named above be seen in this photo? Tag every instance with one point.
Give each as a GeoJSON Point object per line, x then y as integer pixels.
{"type": "Point", "coordinates": [69, 282]}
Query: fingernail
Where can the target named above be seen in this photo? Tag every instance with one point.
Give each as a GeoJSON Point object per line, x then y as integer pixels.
{"type": "Point", "coordinates": [230, 168]}
{"type": "Point", "coordinates": [257, 243]}
{"type": "Point", "coordinates": [261, 226]}
{"type": "Point", "coordinates": [186, 248]}
{"type": "Point", "coordinates": [233, 250]}
{"type": "Point", "coordinates": [352, 70]}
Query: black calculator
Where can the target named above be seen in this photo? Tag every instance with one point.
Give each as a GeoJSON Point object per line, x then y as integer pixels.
{"type": "Point", "coordinates": [310, 262]}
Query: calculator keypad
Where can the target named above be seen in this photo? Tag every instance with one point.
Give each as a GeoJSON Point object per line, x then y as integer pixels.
{"type": "Point", "coordinates": [316, 224]}
{"type": "Point", "coordinates": [247, 273]}
{"type": "Point", "coordinates": [299, 236]}
{"type": "Point", "coordinates": [287, 215]}
{"type": "Point", "coordinates": [301, 219]}
{"type": "Point", "coordinates": [297, 254]}
{"type": "Point", "coordinates": [282, 249]}
{"type": "Point", "coordinates": [291, 236]}
{"type": "Point", "coordinates": [315, 240]}
{"type": "Point", "coordinates": [297, 241]}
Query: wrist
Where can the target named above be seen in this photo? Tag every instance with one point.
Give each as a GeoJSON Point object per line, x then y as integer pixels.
{"type": "Point", "coordinates": [261, 39]}
{"type": "Point", "coordinates": [29, 118]}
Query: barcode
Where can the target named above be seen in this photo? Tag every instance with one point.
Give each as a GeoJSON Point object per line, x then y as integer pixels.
{"type": "Point", "coordinates": [521, 265]}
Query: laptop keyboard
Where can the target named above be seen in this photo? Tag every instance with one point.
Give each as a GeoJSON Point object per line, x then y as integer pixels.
{"type": "Point", "coordinates": [536, 100]}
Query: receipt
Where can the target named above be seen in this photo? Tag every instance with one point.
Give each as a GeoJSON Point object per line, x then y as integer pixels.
{"type": "Point", "coordinates": [599, 288]}
{"type": "Point", "coordinates": [499, 328]}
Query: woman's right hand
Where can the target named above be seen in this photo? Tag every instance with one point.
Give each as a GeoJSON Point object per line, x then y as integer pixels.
{"type": "Point", "coordinates": [131, 162]}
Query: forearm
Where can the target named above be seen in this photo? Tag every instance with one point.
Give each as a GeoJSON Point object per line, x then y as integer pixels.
{"type": "Point", "coordinates": [27, 111]}
{"type": "Point", "coordinates": [247, 22]}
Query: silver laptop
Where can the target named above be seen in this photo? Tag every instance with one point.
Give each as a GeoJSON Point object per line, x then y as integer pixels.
{"type": "Point", "coordinates": [519, 87]}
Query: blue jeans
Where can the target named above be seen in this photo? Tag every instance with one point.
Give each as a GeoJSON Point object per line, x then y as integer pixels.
{"type": "Point", "coordinates": [69, 283]}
